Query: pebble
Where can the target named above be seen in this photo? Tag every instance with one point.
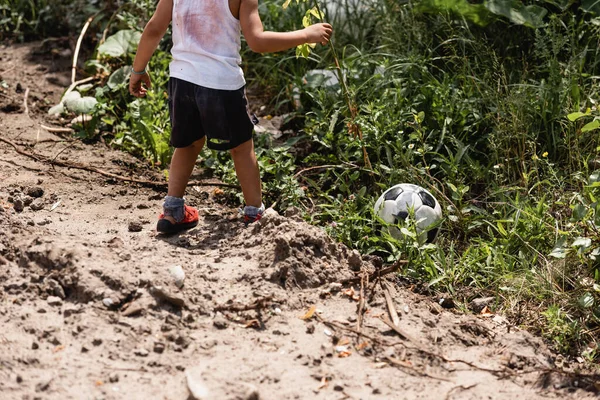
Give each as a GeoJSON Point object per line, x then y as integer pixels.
{"type": "Point", "coordinates": [178, 275]}
{"type": "Point", "coordinates": [108, 302]}
{"type": "Point", "coordinates": [18, 205]}
{"type": "Point", "coordinates": [141, 352]}
{"type": "Point", "coordinates": [54, 301]}
{"type": "Point", "coordinates": [480, 303]}
{"type": "Point", "coordinates": [113, 378]}
{"type": "Point", "coordinates": [159, 347]}
{"type": "Point", "coordinates": [35, 191]}
{"type": "Point", "coordinates": [135, 226]}
{"type": "Point", "coordinates": [220, 323]}
{"type": "Point", "coordinates": [37, 204]}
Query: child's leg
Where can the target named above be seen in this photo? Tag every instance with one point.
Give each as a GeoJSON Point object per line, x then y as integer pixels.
{"type": "Point", "coordinates": [246, 169]}
{"type": "Point", "coordinates": [182, 165]}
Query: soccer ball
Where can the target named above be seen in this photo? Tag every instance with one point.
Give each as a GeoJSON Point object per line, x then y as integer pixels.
{"type": "Point", "coordinates": [394, 204]}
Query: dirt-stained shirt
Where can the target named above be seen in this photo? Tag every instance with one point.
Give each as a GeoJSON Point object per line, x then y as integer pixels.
{"type": "Point", "coordinates": [206, 44]}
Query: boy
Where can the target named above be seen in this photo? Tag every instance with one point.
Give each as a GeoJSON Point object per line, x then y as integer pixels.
{"type": "Point", "coordinates": [207, 100]}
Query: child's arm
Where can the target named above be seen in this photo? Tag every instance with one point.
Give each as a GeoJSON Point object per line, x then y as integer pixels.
{"type": "Point", "coordinates": [153, 32]}
{"type": "Point", "coordinates": [268, 42]}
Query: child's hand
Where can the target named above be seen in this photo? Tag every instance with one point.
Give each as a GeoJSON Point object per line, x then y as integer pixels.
{"type": "Point", "coordinates": [319, 33]}
{"type": "Point", "coordinates": [135, 84]}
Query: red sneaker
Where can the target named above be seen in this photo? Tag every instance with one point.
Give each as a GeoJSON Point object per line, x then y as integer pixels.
{"type": "Point", "coordinates": [189, 221]}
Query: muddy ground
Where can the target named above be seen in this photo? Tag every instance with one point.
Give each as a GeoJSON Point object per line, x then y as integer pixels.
{"type": "Point", "coordinates": [93, 305]}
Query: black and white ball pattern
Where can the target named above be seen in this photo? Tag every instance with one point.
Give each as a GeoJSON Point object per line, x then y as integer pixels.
{"type": "Point", "coordinates": [394, 204]}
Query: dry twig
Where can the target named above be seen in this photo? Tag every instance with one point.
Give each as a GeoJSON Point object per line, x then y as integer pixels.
{"type": "Point", "coordinates": [378, 273]}
{"type": "Point", "coordinates": [88, 168]}
{"type": "Point", "coordinates": [390, 304]}
{"type": "Point", "coordinates": [263, 302]}
{"type": "Point", "coordinates": [78, 46]}
{"type": "Point", "coordinates": [57, 130]}
{"type": "Point", "coordinates": [25, 101]}
{"type": "Point", "coordinates": [404, 364]}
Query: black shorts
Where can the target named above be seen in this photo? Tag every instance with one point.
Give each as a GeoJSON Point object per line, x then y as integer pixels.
{"type": "Point", "coordinates": [220, 115]}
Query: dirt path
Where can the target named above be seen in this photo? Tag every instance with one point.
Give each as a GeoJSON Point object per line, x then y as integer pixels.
{"type": "Point", "coordinates": [90, 307]}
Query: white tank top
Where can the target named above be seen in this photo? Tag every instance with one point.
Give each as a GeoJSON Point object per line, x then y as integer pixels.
{"type": "Point", "coordinates": [206, 44]}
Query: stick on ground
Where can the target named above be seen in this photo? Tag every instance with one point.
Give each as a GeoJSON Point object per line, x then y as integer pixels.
{"type": "Point", "coordinates": [40, 158]}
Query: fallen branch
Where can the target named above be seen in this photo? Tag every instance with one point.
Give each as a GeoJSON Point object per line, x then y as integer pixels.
{"type": "Point", "coordinates": [361, 303]}
{"type": "Point", "coordinates": [400, 331]}
{"type": "Point", "coordinates": [78, 46]}
{"type": "Point", "coordinates": [258, 304]}
{"type": "Point", "coordinates": [404, 364]}
{"type": "Point", "coordinates": [378, 273]}
{"type": "Point", "coordinates": [390, 304]}
{"type": "Point", "coordinates": [57, 130]}
{"type": "Point", "coordinates": [25, 101]}
{"type": "Point", "coordinates": [88, 168]}
{"type": "Point", "coordinates": [341, 166]}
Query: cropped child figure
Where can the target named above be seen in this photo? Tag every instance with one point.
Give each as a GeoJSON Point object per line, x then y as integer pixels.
{"type": "Point", "coordinates": [207, 101]}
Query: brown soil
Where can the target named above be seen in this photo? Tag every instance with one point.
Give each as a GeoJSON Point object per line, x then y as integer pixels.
{"type": "Point", "coordinates": [89, 307]}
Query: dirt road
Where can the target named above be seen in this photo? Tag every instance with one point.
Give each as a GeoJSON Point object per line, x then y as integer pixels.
{"type": "Point", "coordinates": [94, 304]}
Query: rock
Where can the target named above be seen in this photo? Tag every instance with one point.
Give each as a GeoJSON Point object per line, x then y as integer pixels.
{"type": "Point", "coordinates": [159, 347]}
{"type": "Point", "coordinates": [196, 387]}
{"type": "Point", "coordinates": [108, 302]}
{"type": "Point", "coordinates": [355, 261]}
{"type": "Point", "coordinates": [18, 205]}
{"type": "Point", "coordinates": [178, 275]}
{"type": "Point", "coordinates": [220, 322]}
{"type": "Point", "coordinates": [204, 385]}
{"type": "Point", "coordinates": [446, 302]}
{"type": "Point", "coordinates": [480, 303]}
{"type": "Point", "coordinates": [54, 301]}
{"type": "Point", "coordinates": [159, 293]}
{"type": "Point", "coordinates": [34, 191]}
{"type": "Point", "coordinates": [71, 309]}
{"type": "Point", "coordinates": [135, 226]}
{"type": "Point", "coordinates": [55, 287]}
{"type": "Point", "coordinates": [37, 204]}
{"type": "Point", "coordinates": [141, 352]}
{"type": "Point", "coordinates": [43, 385]}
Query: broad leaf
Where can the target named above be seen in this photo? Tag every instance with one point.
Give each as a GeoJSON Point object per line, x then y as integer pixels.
{"type": "Point", "coordinates": [120, 44]}
{"type": "Point", "coordinates": [590, 126]}
{"type": "Point", "coordinates": [83, 105]}
{"type": "Point", "coordinates": [576, 115]}
{"type": "Point", "coordinates": [119, 77]}
{"type": "Point", "coordinates": [531, 16]}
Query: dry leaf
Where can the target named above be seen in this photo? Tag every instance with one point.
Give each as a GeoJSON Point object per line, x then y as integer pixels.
{"type": "Point", "coordinates": [309, 314]}
{"type": "Point", "coordinates": [58, 348]}
{"type": "Point", "coordinates": [218, 192]}
{"type": "Point", "coordinates": [486, 310]}
{"type": "Point", "coordinates": [252, 323]}
{"type": "Point", "coordinates": [323, 384]}
{"type": "Point", "coordinates": [343, 341]}
{"type": "Point", "coordinates": [362, 345]}
{"type": "Point", "coordinates": [344, 354]}
{"type": "Point", "coordinates": [99, 383]}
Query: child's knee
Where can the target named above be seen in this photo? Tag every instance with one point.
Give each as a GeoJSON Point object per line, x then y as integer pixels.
{"type": "Point", "coordinates": [197, 145]}
{"type": "Point", "coordinates": [244, 148]}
